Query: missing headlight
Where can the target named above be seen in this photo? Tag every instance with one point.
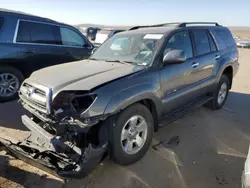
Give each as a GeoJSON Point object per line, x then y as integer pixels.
{"type": "Point", "coordinates": [82, 102]}
{"type": "Point", "coordinates": [72, 103]}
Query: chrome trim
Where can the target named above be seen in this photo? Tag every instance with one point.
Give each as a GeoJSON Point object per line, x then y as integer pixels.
{"type": "Point", "coordinates": [195, 65]}
{"type": "Point", "coordinates": [32, 105]}
{"type": "Point", "coordinates": [217, 57]}
{"type": "Point", "coordinates": [16, 31]}
{"type": "Point", "coordinates": [91, 103]}
{"type": "Point", "coordinates": [39, 99]}
{"type": "Point", "coordinates": [56, 45]}
{"type": "Point", "coordinates": [48, 96]}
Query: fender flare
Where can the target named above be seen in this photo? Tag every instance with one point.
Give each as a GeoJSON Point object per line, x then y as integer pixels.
{"type": "Point", "coordinates": [132, 95]}
{"type": "Point", "coordinates": [221, 68]}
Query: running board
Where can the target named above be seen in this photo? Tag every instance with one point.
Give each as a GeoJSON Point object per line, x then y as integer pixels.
{"type": "Point", "coordinates": [183, 111]}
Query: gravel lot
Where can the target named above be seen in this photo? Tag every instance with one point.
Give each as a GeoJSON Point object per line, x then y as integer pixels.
{"type": "Point", "coordinates": [211, 151]}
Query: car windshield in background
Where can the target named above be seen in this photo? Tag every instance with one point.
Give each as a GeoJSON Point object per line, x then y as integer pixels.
{"type": "Point", "coordinates": [132, 48]}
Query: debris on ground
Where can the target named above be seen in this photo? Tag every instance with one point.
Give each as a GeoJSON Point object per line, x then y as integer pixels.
{"type": "Point", "coordinates": [171, 143]}
{"type": "Point", "coordinates": [228, 110]}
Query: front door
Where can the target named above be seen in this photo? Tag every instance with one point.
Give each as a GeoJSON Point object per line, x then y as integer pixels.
{"type": "Point", "coordinates": [175, 78]}
{"type": "Point", "coordinates": [74, 44]}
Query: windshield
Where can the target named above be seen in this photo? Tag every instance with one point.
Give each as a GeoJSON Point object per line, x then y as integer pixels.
{"type": "Point", "coordinates": [130, 48]}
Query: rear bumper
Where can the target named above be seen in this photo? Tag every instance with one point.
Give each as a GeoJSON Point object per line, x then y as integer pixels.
{"type": "Point", "coordinates": [50, 154]}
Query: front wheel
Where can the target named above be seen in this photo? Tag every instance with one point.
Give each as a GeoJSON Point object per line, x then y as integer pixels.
{"type": "Point", "coordinates": [221, 93]}
{"type": "Point", "coordinates": [131, 134]}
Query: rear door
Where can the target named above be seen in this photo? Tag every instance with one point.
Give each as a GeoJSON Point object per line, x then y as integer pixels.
{"type": "Point", "coordinates": [206, 58]}
{"type": "Point", "coordinates": [74, 44]}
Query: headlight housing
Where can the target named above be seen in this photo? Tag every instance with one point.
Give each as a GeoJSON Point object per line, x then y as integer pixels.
{"type": "Point", "coordinates": [73, 102]}
{"type": "Point", "coordinates": [82, 103]}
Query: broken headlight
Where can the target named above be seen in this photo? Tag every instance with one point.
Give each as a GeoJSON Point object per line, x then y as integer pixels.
{"type": "Point", "coordinates": [73, 102]}
{"type": "Point", "coordinates": [82, 103]}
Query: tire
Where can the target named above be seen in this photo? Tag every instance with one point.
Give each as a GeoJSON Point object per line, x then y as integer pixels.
{"type": "Point", "coordinates": [214, 104]}
{"type": "Point", "coordinates": [18, 80]}
{"type": "Point", "coordinates": [116, 146]}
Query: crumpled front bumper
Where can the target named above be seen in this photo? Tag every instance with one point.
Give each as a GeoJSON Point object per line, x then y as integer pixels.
{"type": "Point", "coordinates": [44, 151]}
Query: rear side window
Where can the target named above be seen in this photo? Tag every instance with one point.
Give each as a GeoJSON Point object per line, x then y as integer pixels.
{"type": "Point", "coordinates": [201, 41]}
{"type": "Point", "coordinates": [31, 32]}
{"type": "Point", "coordinates": [71, 38]}
{"type": "Point", "coordinates": [225, 36]}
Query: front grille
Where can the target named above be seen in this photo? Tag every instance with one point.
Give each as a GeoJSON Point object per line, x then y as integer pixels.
{"type": "Point", "coordinates": [37, 91]}
{"type": "Point", "coordinates": [36, 96]}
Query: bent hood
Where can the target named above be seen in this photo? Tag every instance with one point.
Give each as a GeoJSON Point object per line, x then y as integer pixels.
{"type": "Point", "coordinates": [81, 75]}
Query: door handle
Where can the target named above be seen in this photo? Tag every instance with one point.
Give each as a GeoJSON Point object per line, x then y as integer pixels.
{"type": "Point", "coordinates": [217, 57]}
{"type": "Point", "coordinates": [195, 65]}
{"type": "Point", "coordinates": [67, 53]}
{"type": "Point", "coordinates": [29, 52]}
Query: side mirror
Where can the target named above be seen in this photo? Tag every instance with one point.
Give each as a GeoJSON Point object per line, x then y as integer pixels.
{"type": "Point", "coordinates": [174, 57]}
{"type": "Point", "coordinates": [93, 51]}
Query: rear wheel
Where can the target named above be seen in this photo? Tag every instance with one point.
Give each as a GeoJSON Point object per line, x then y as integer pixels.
{"type": "Point", "coordinates": [132, 134]}
{"type": "Point", "coordinates": [10, 81]}
{"type": "Point", "coordinates": [220, 95]}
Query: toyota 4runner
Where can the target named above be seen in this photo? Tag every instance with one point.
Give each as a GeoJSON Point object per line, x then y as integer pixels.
{"type": "Point", "coordinates": [135, 82]}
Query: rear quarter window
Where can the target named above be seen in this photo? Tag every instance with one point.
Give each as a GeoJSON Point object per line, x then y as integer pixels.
{"type": "Point", "coordinates": [224, 38]}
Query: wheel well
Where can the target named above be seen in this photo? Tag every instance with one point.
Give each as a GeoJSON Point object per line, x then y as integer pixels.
{"type": "Point", "coordinates": [229, 73]}
{"type": "Point", "coordinates": [19, 68]}
{"type": "Point", "coordinates": [152, 108]}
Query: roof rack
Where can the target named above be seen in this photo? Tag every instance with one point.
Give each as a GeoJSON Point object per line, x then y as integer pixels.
{"type": "Point", "coordinates": [176, 24]}
{"type": "Point", "coordinates": [184, 24]}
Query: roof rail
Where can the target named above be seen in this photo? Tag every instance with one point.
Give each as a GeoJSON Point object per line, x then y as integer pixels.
{"type": "Point", "coordinates": [175, 24]}
{"type": "Point", "coordinates": [184, 24]}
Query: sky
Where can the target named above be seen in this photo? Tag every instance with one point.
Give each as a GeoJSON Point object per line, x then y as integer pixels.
{"type": "Point", "coordinates": [136, 12]}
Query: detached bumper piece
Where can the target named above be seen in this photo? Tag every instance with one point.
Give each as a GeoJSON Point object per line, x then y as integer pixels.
{"type": "Point", "coordinates": [49, 153]}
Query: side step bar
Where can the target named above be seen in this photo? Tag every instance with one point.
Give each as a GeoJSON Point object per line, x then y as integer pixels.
{"type": "Point", "coordinates": [183, 111]}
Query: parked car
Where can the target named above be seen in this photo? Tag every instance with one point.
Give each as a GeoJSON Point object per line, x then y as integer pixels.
{"type": "Point", "coordinates": [29, 43]}
{"type": "Point", "coordinates": [134, 82]}
{"type": "Point", "coordinates": [104, 34]}
{"type": "Point", "coordinates": [91, 33]}
{"type": "Point", "coordinates": [243, 44]}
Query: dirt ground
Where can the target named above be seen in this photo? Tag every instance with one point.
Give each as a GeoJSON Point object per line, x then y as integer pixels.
{"type": "Point", "coordinates": [208, 150]}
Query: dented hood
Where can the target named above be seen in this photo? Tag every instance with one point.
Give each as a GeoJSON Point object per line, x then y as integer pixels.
{"type": "Point", "coordinates": [81, 75]}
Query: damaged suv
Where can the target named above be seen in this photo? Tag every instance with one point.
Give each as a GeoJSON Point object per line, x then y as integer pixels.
{"type": "Point", "coordinates": [113, 102]}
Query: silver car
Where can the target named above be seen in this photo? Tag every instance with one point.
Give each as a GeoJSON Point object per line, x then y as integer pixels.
{"type": "Point", "coordinates": [243, 44]}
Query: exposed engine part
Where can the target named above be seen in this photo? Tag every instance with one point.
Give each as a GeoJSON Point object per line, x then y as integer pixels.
{"type": "Point", "coordinates": [72, 104]}
{"type": "Point", "coordinates": [63, 140]}
{"type": "Point", "coordinates": [67, 149]}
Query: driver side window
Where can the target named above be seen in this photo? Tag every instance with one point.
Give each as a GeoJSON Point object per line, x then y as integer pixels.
{"type": "Point", "coordinates": [71, 38]}
{"type": "Point", "coordinates": [180, 41]}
